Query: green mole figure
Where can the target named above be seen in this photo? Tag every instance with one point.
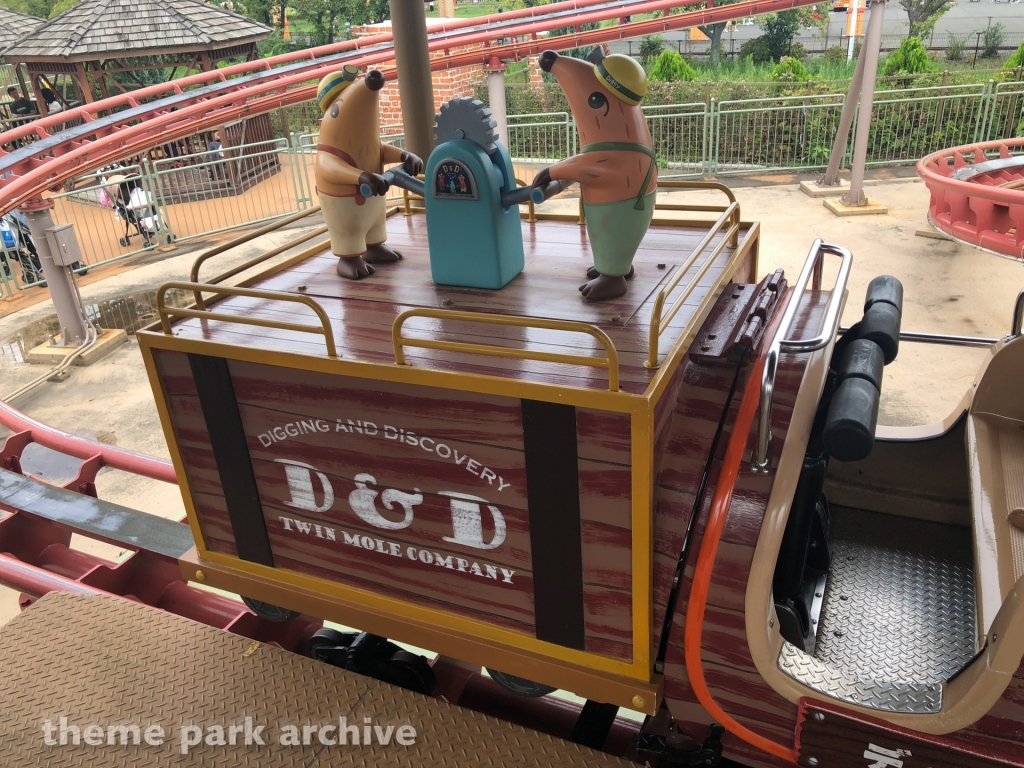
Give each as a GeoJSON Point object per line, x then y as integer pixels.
{"type": "Point", "coordinates": [616, 168]}
{"type": "Point", "coordinates": [349, 155]}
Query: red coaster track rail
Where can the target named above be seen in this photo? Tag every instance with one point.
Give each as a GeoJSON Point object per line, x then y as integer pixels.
{"type": "Point", "coordinates": [130, 123]}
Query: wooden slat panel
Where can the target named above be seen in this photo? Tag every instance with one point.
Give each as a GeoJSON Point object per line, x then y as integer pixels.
{"type": "Point", "coordinates": [191, 433]}
{"type": "Point", "coordinates": [373, 416]}
{"type": "Point", "coordinates": [688, 432]}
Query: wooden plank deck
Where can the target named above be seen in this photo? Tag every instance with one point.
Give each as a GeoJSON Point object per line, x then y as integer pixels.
{"type": "Point", "coordinates": [557, 257]}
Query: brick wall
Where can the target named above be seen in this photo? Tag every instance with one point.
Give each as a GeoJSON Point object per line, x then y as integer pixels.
{"type": "Point", "coordinates": [448, 84]}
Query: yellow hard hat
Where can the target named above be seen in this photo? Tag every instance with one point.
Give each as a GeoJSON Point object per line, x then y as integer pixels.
{"type": "Point", "coordinates": [333, 84]}
{"type": "Point", "coordinates": [623, 76]}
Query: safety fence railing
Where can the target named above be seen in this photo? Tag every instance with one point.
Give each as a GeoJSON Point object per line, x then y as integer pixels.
{"type": "Point", "coordinates": [793, 133]}
{"type": "Point", "coordinates": [174, 199]}
{"type": "Point", "coordinates": [908, 124]}
{"type": "Point", "coordinates": [680, 134]}
{"type": "Point", "coordinates": [1005, 117]}
{"type": "Point", "coordinates": [304, 145]}
{"type": "Point", "coordinates": [223, 189]}
{"type": "Point", "coordinates": [132, 207]}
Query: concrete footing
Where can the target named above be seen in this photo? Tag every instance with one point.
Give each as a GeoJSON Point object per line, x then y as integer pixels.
{"type": "Point", "coordinates": [811, 189]}
{"type": "Point", "coordinates": [53, 354]}
{"type": "Point", "coordinates": [933, 234]}
{"type": "Point", "coordinates": [871, 208]}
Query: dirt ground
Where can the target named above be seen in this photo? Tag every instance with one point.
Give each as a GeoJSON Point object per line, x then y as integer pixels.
{"type": "Point", "coordinates": [949, 288]}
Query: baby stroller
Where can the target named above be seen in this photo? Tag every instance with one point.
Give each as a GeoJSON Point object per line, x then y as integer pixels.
{"type": "Point", "coordinates": [134, 206]}
{"type": "Point", "coordinates": [18, 246]}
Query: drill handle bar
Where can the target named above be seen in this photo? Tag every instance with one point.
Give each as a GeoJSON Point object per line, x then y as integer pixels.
{"type": "Point", "coordinates": [536, 194]}
{"type": "Point", "coordinates": [399, 178]}
{"type": "Point", "coordinates": [396, 177]}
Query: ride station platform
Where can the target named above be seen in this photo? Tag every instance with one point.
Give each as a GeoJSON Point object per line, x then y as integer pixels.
{"type": "Point", "coordinates": [118, 663]}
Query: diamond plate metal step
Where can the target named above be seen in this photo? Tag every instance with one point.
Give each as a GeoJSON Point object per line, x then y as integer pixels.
{"type": "Point", "coordinates": [106, 661]}
{"type": "Point", "coordinates": [899, 613]}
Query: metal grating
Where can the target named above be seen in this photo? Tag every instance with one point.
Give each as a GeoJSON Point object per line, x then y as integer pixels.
{"type": "Point", "coordinates": [899, 613]}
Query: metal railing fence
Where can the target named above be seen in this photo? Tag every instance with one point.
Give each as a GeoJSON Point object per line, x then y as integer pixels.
{"type": "Point", "coordinates": [792, 133]}
{"type": "Point", "coordinates": [201, 194]}
{"type": "Point", "coordinates": [680, 135]}
{"type": "Point", "coordinates": [305, 155]}
{"type": "Point", "coordinates": [212, 192]}
{"type": "Point", "coordinates": [909, 124]}
{"type": "Point", "coordinates": [1005, 117]}
{"type": "Point", "coordinates": [541, 137]}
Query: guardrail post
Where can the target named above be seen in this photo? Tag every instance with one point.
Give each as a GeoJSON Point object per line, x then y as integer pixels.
{"type": "Point", "coordinates": [297, 168]}
{"type": "Point", "coordinates": [1011, 112]}
{"type": "Point", "coordinates": [986, 112]}
{"type": "Point", "coordinates": [59, 279]}
{"type": "Point", "coordinates": [711, 125]}
{"type": "Point", "coordinates": [151, 186]}
{"type": "Point", "coordinates": [8, 279]}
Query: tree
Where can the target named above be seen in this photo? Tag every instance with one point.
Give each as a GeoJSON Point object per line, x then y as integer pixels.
{"type": "Point", "coordinates": [670, 67]}
{"type": "Point", "coordinates": [322, 14]}
{"type": "Point", "coordinates": [1017, 59]}
{"type": "Point", "coordinates": [923, 14]}
{"type": "Point", "coordinates": [60, 6]}
{"type": "Point", "coordinates": [714, 34]}
{"type": "Point", "coordinates": [779, 30]}
{"type": "Point", "coordinates": [259, 10]}
{"type": "Point", "coordinates": [40, 8]}
{"type": "Point", "coordinates": [789, 70]}
{"type": "Point", "coordinates": [991, 41]}
{"type": "Point", "coordinates": [650, 47]}
{"type": "Point", "coordinates": [909, 59]}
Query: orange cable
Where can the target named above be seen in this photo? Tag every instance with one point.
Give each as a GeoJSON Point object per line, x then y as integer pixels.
{"type": "Point", "coordinates": [706, 563]}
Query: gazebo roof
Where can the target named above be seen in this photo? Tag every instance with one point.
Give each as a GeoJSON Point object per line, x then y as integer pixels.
{"type": "Point", "coordinates": [109, 29]}
{"type": "Point", "coordinates": [14, 25]}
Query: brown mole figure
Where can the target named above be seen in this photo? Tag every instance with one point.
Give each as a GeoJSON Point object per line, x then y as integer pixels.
{"type": "Point", "coordinates": [616, 168]}
{"type": "Point", "coordinates": [350, 154]}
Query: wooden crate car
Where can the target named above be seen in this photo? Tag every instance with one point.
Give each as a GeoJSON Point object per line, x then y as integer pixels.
{"type": "Point", "coordinates": [474, 472]}
{"type": "Point", "coordinates": [627, 500]}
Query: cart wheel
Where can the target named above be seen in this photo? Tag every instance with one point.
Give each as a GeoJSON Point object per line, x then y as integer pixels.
{"type": "Point", "coordinates": [520, 686]}
{"type": "Point", "coordinates": [124, 241]}
{"type": "Point", "coordinates": [328, 638]}
{"type": "Point", "coordinates": [268, 611]}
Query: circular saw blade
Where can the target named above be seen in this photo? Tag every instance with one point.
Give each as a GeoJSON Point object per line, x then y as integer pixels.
{"type": "Point", "coordinates": [466, 118]}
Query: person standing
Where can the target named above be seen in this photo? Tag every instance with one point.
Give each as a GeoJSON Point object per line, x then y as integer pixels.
{"type": "Point", "coordinates": [53, 104]}
{"type": "Point", "coordinates": [21, 106]}
{"type": "Point", "coordinates": [214, 153]}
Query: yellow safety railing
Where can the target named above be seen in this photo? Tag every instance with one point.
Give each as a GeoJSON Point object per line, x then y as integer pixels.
{"type": "Point", "coordinates": [611, 362]}
{"type": "Point", "coordinates": [166, 312]}
{"type": "Point", "coordinates": [242, 240]}
{"type": "Point", "coordinates": [729, 223]}
{"type": "Point", "coordinates": [673, 184]}
{"type": "Point", "coordinates": [701, 185]}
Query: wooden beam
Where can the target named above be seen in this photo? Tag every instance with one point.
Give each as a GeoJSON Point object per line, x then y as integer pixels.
{"type": "Point", "coordinates": [38, 91]}
{"type": "Point", "coordinates": [81, 79]}
{"type": "Point", "coordinates": [103, 85]}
